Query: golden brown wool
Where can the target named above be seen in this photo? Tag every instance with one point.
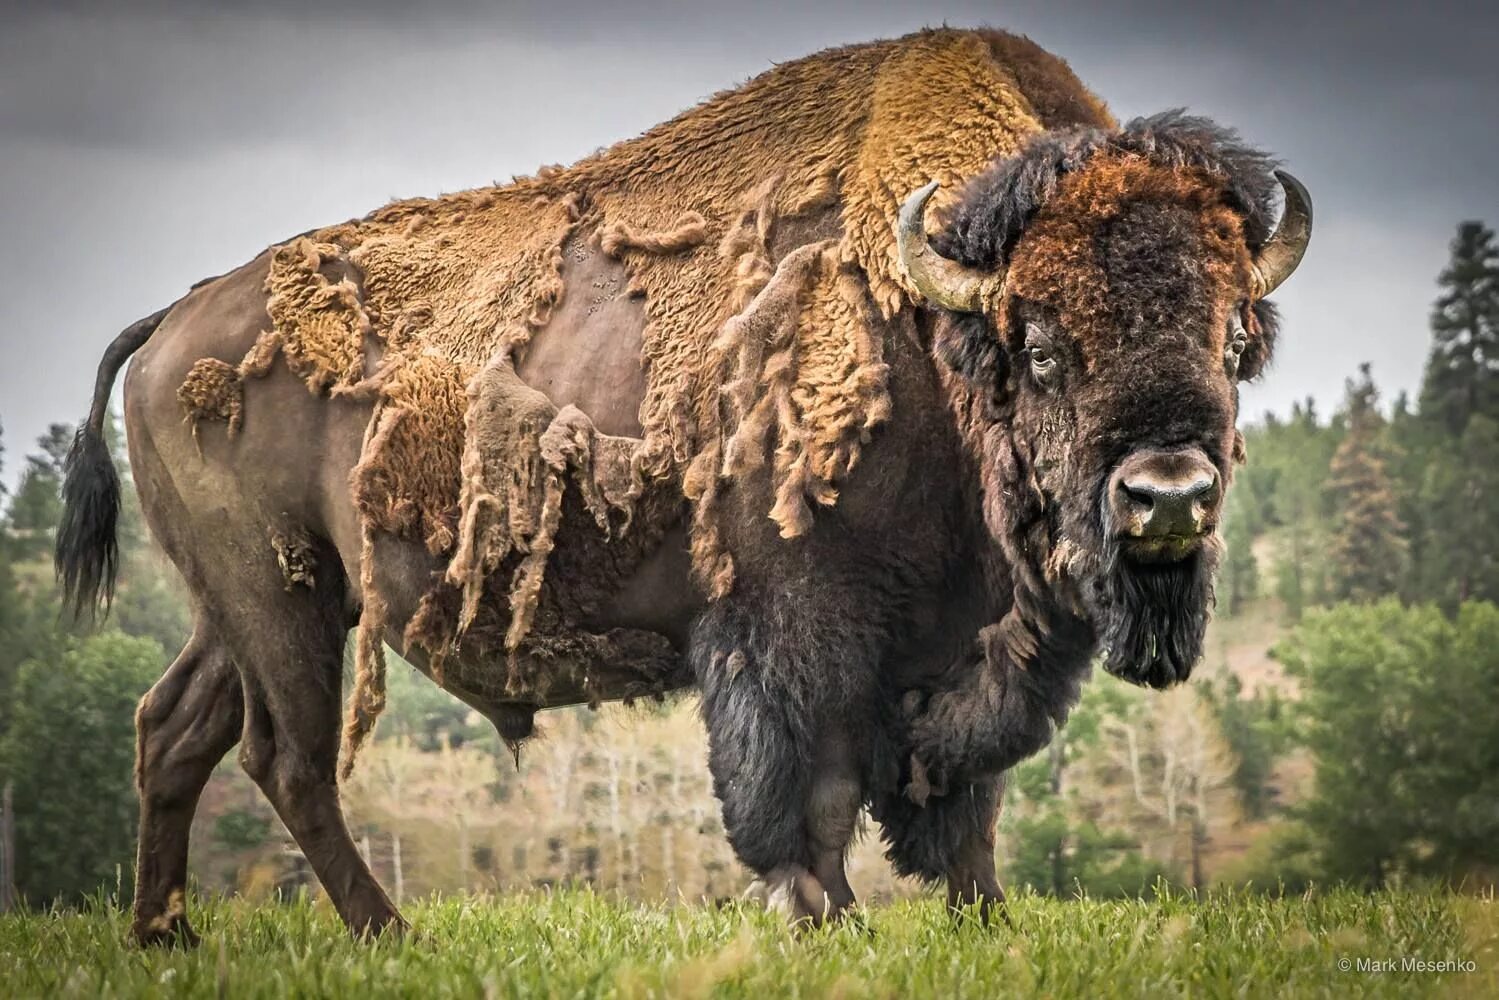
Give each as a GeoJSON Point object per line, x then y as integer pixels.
{"type": "Point", "coordinates": [1059, 262]}
{"type": "Point", "coordinates": [699, 210]}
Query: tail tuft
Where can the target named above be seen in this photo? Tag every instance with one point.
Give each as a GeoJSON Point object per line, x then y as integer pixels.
{"type": "Point", "coordinates": [88, 553]}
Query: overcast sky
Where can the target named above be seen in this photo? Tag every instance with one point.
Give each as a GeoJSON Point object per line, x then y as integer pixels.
{"type": "Point", "coordinates": [144, 145]}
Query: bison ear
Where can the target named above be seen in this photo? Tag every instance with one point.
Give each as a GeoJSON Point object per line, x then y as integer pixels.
{"type": "Point", "coordinates": [1262, 324]}
{"type": "Point", "coordinates": [967, 344]}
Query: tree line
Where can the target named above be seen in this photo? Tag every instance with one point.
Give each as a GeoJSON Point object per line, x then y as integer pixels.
{"type": "Point", "coordinates": [1367, 505]}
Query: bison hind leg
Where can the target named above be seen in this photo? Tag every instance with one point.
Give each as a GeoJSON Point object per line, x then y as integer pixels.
{"type": "Point", "coordinates": [184, 725]}
{"type": "Point", "coordinates": [290, 653]}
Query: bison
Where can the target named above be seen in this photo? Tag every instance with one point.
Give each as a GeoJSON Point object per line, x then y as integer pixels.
{"type": "Point", "coordinates": [874, 398]}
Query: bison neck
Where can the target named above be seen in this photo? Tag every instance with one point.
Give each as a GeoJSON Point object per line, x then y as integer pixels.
{"type": "Point", "coordinates": [1020, 646]}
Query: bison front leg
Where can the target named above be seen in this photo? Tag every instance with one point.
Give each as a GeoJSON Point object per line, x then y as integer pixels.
{"type": "Point", "coordinates": [971, 876]}
{"type": "Point", "coordinates": [947, 837]}
{"type": "Point", "coordinates": [784, 761]}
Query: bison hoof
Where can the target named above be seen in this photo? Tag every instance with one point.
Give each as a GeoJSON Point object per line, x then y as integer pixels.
{"type": "Point", "coordinates": [972, 900]}
{"type": "Point", "coordinates": [796, 894]}
{"type": "Point", "coordinates": [165, 932]}
{"type": "Point", "coordinates": [383, 924]}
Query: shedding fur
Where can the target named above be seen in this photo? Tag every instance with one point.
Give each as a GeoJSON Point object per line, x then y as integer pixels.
{"type": "Point", "coordinates": [323, 322]}
{"type": "Point", "coordinates": [847, 132]}
{"type": "Point", "coordinates": [295, 556]}
{"type": "Point", "coordinates": [214, 389]}
{"type": "Point", "coordinates": [698, 211]}
{"type": "Point", "coordinates": [367, 700]}
{"type": "Point", "coordinates": [689, 231]}
{"type": "Point", "coordinates": [521, 455]}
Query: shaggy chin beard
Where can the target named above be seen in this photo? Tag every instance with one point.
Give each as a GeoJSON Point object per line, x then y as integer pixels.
{"type": "Point", "coordinates": [1150, 617]}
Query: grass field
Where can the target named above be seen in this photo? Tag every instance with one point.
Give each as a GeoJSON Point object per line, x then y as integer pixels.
{"type": "Point", "coordinates": [577, 943]}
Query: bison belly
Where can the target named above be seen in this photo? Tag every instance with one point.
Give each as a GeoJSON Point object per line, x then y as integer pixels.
{"type": "Point", "coordinates": [610, 619]}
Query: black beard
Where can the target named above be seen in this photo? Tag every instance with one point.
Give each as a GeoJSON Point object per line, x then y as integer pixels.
{"type": "Point", "coordinates": [1151, 617]}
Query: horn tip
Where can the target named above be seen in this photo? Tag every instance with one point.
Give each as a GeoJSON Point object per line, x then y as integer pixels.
{"type": "Point", "coordinates": [916, 200]}
{"type": "Point", "coordinates": [1294, 187]}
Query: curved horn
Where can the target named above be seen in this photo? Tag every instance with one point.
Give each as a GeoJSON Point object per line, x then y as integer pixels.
{"type": "Point", "coordinates": [941, 281]}
{"type": "Point", "coordinates": [1285, 247]}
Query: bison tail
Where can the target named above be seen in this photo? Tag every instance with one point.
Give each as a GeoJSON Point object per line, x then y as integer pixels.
{"type": "Point", "coordinates": [87, 553]}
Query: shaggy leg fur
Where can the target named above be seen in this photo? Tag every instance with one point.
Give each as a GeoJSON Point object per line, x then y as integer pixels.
{"type": "Point", "coordinates": [950, 836]}
{"type": "Point", "coordinates": [771, 705]}
{"type": "Point", "coordinates": [184, 726]}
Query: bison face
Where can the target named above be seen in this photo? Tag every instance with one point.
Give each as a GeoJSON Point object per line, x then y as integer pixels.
{"type": "Point", "coordinates": [1110, 341]}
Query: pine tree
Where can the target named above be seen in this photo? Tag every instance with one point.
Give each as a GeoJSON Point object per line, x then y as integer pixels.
{"type": "Point", "coordinates": [1288, 470]}
{"type": "Point", "coordinates": [1449, 491]}
{"type": "Point", "coordinates": [1367, 551]}
{"type": "Point", "coordinates": [1415, 444]}
{"type": "Point", "coordinates": [37, 506]}
{"type": "Point", "coordinates": [1462, 372]}
{"type": "Point", "coordinates": [10, 610]}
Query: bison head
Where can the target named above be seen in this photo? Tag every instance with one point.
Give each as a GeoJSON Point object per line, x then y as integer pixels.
{"type": "Point", "coordinates": [1102, 293]}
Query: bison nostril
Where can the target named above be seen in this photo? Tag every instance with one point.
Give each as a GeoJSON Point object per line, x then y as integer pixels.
{"type": "Point", "coordinates": [1207, 493]}
{"type": "Point", "coordinates": [1139, 495]}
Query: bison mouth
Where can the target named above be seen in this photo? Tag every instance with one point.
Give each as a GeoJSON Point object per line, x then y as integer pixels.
{"type": "Point", "coordinates": [1151, 604]}
{"type": "Point", "coordinates": [1161, 550]}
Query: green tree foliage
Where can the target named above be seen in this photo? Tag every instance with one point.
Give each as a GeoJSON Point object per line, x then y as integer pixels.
{"type": "Point", "coordinates": [67, 700]}
{"type": "Point", "coordinates": [1397, 709]}
{"type": "Point", "coordinates": [1058, 843]}
{"type": "Point", "coordinates": [1239, 577]}
{"type": "Point", "coordinates": [1444, 467]}
{"type": "Point", "coordinates": [1462, 372]}
{"type": "Point", "coordinates": [1281, 492]}
{"type": "Point", "coordinates": [1255, 729]}
{"type": "Point", "coordinates": [10, 607]}
{"type": "Point", "coordinates": [1286, 859]}
{"type": "Point", "coordinates": [69, 749]}
{"type": "Point", "coordinates": [241, 829]}
{"type": "Point", "coordinates": [430, 717]}
{"type": "Point", "coordinates": [1367, 548]}
{"type": "Point", "coordinates": [1458, 495]}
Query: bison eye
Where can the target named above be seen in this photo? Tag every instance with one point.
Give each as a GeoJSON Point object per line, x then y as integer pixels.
{"type": "Point", "coordinates": [1038, 347]}
{"type": "Point", "coordinates": [1233, 351]}
{"type": "Point", "coordinates": [1237, 341]}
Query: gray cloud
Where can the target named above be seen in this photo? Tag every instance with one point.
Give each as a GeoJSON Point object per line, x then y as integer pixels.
{"type": "Point", "coordinates": [144, 145]}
